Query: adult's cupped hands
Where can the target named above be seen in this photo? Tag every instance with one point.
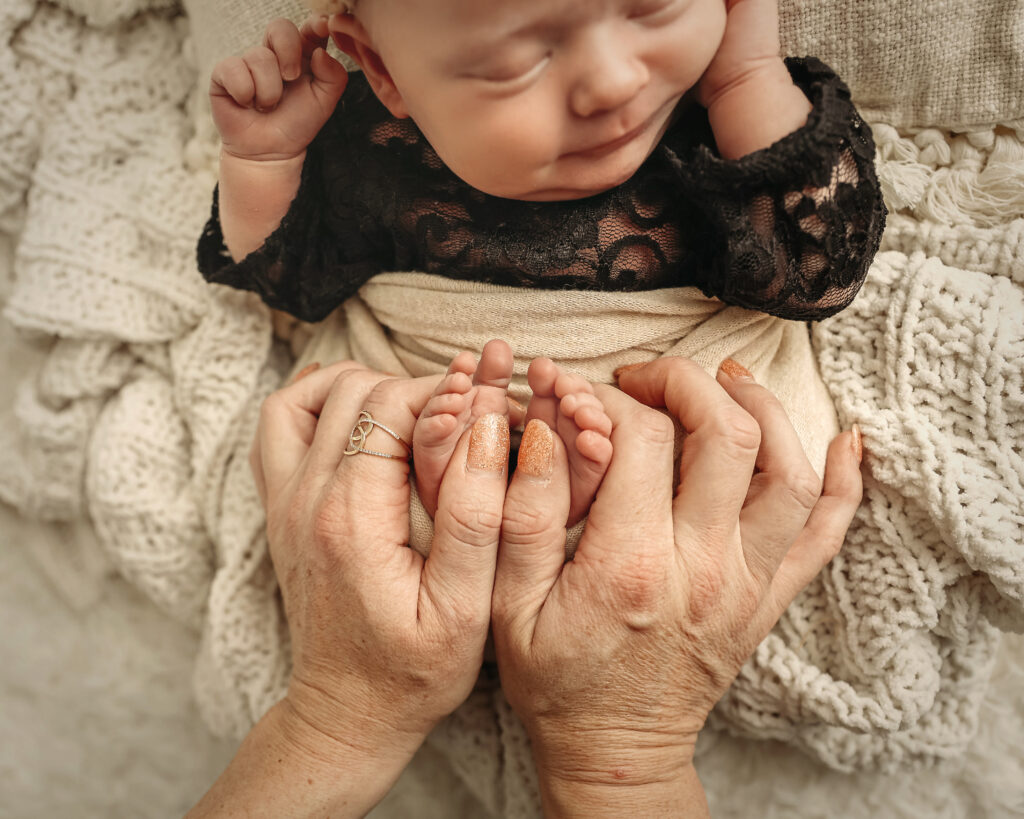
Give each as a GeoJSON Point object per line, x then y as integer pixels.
{"type": "Point", "coordinates": [612, 660]}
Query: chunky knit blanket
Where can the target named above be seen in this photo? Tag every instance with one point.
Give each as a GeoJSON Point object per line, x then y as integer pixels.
{"type": "Point", "coordinates": [140, 416]}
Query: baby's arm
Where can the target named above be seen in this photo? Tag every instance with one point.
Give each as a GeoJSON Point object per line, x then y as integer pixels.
{"type": "Point", "coordinates": [750, 96]}
{"type": "Point", "coordinates": [268, 105]}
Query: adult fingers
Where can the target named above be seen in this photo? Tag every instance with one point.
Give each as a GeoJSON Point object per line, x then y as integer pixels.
{"type": "Point", "coordinates": [721, 444]}
{"type": "Point", "coordinates": [785, 487]}
{"type": "Point", "coordinates": [458, 576]}
{"type": "Point", "coordinates": [346, 394]}
{"type": "Point", "coordinates": [823, 535]}
{"type": "Point", "coordinates": [532, 548]}
{"type": "Point", "coordinates": [360, 456]}
{"type": "Point", "coordinates": [633, 505]}
{"type": "Point", "coordinates": [288, 423]}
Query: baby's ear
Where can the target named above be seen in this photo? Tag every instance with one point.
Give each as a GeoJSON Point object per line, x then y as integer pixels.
{"type": "Point", "coordinates": [351, 37]}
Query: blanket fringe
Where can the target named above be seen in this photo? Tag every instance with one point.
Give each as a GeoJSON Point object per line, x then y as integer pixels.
{"type": "Point", "coordinates": [974, 178]}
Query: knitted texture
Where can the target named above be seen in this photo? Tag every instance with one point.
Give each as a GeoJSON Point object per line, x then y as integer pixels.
{"type": "Point", "coordinates": [142, 412]}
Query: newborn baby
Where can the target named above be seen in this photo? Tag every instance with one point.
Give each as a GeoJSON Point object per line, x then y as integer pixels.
{"type": "Point", "coordinates": [621, 145]}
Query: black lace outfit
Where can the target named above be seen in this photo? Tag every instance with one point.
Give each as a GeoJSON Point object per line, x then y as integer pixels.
{"type": "Point", "coordinates": [789, 230]}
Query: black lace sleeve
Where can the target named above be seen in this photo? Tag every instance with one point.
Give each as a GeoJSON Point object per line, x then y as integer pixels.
{"type": "Point", "coordinates": [327, 245]}
{"type": "Point", "coordinates": [790, 230]}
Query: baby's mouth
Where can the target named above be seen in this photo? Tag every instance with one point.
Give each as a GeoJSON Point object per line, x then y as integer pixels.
{"type": "Point", "coordinates": [610, 147]}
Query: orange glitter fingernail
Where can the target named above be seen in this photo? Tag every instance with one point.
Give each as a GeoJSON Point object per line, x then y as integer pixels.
{"type": "Point", "coordinates": [488, 443]}
{"type": "Point", "coordinates": [536, 449]}
{"type": "Point", "coordinates": [734, 369]}
{"type": "Point", "coordinates": [627, 368]}
{"type": "Point", "coordinates": [857, 443]}
{"type": "Point", "coordinates": [309, 368]}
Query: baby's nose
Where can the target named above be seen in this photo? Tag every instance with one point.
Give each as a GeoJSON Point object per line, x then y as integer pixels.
{"type": "Point", "coordinates": [608, 73]}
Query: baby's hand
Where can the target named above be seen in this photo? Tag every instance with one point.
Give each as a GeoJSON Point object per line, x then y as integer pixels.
{"type": "Point", "coordinates": [272, 101]}
{"type": "Point", "coordinates": [750, 46]}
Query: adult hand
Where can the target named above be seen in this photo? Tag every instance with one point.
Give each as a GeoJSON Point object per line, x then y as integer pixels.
{"type": "Point", "coordinates": [384, 642]}
{"type": "Point", "coordinates": [614, 659]}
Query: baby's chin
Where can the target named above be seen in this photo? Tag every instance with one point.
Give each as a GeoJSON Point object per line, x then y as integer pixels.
{"type": "Point", "coordinates": [569, 178]}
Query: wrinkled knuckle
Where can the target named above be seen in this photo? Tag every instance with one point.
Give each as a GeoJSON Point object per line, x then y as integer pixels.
{"type": "Point", "coordinates": [804, 487]}
{"type": "Point", "coordinates": [346, 380]}
{"type": "Point", "coordinates": [386, 393]}
{"type": "Point", "coordinates": [473, 526]}
{"type": "Point", "coordinates": [683, 366]}
{"type": "Point", "coordinates": [653, 428]}
{"type": "Point", "coordinates": [523, 523]}
{"type": "Point", "coordinates": [739, 427]}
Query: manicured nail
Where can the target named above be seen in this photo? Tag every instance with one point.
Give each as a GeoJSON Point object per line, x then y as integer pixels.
{"type": "Point", "coordinates": [536, 450]}
{"type": "Point", "coordinates": [627, 368]}
{"type": "Point", "coordinates": [856, 443]}
{"type": "Point", "coordinates": [309, 368]}
{"type": "Point", "coordinates": [488, 443]}
{"type": "Point", "coordinates": [734, 369]}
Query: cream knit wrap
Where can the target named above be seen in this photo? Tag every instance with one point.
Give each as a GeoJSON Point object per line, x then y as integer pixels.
{"type": "Point", "coordinates": [139, 418]}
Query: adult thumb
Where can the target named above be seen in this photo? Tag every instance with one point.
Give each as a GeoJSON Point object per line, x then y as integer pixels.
{"type": "Point", "coordinates": [532, 548]}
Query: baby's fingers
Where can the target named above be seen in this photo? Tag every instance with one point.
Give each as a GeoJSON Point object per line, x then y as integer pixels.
{"type": "Point", "coordinates": [286, 42]}
{"type": "Point", "coordinates": [314, 35]}
{"type": "Point", "coordinates": [266, 77]}
{"type": "Point", "coordinates": [232, 78]}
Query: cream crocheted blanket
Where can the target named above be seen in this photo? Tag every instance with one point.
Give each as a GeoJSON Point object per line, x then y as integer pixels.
{"type": "Point", "coordinates": [141, 414]}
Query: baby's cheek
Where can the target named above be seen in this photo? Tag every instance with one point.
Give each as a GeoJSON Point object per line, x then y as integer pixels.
{"type": "Point", "coordinates": [500, 155]}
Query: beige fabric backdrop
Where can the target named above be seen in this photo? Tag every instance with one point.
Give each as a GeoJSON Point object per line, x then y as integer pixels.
{"type": "Point", "coordinates": [937, 63]}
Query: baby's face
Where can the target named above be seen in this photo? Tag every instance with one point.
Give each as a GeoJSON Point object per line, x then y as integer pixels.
{"type": "Point", "coordinates": [540, 99]}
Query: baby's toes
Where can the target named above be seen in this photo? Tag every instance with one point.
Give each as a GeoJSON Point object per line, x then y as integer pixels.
{"type": "Point", "coordinates": [541, 377]}
{"type": "Point", "coordinates": [464, 362]}
{"type": "Point", "coordinates": [436, 434]}
{"type": "Point", "coordinates": [572, 384]}
{"type": "Point", "coordinates": [585, 428]}
{"type": "Point", "coordinates": [495, 367]}
{"type": "Point", "coordinates": [586, 411]}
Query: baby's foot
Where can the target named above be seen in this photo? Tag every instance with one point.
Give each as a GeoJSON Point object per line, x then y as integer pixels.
{"type": "Point", "coordinates": [468, 391]}
{"type": "Point", "coordinates": [566, 403]}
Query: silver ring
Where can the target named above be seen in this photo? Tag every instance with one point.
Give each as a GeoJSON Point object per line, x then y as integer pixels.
{"type": "Point", "coordinates": [361, 431]}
